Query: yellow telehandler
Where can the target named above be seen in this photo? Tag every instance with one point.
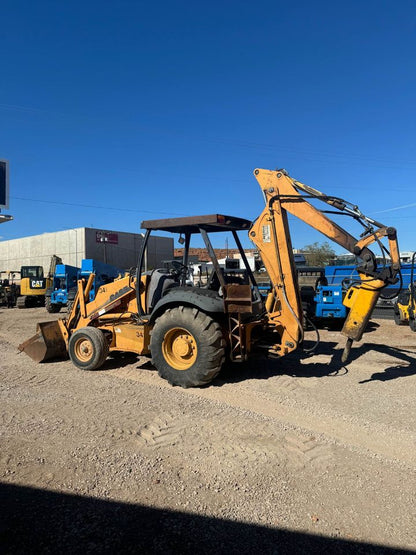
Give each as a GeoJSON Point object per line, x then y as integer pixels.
{"type": "Point", "coordinates": [190, 331]}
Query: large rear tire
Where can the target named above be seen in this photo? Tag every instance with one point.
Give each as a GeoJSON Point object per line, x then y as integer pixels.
{"type": "Point", "coordinates": [88, 348]}
{"type": "Point", "coordinates": [187, 346]}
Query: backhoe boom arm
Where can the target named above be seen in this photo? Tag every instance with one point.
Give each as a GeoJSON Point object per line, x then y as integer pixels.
{"type": "Point", "coordinates": [271, 235]}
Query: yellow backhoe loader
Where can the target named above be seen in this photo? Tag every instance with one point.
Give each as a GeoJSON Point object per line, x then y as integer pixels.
{"type": "Point", "coordinates": [191, 331]}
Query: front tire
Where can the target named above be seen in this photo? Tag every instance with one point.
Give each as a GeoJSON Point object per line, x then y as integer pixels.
{"type": "Point", "coordinates": [187, 346]}
{"type": "Point", "coordinates": [88, 348]}
{"type": "Point", "coordinates": [51, 307]}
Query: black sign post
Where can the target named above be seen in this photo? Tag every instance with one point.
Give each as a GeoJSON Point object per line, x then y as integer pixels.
{"type": "Point", "coordinates": [4, 190]}
{"type": "Point", "coordinates": [4, 184]}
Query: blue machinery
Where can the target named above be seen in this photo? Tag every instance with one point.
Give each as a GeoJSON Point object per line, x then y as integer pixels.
{"type": "Point", "coordinates": [65, 281]}
{"type": "Point", "coordinates": [328, 299]}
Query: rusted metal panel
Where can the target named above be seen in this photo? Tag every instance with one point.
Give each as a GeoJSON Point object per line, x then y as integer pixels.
{"type": "Point", "coordinates": [237, 298]}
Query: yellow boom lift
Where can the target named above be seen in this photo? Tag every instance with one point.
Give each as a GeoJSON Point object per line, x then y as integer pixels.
{"type": "Point", "coordinates": [190, 331]}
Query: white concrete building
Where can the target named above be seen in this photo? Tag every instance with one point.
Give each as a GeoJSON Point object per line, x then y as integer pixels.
{"type": "Point", "coordinates": [118, 248]}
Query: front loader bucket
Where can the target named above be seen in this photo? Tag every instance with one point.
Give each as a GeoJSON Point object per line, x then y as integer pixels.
{"type": "Point", "coordinates": [46, 344]}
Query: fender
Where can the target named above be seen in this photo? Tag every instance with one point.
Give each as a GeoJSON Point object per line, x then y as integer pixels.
{"type": "Point", "coordinates": [204, 299]}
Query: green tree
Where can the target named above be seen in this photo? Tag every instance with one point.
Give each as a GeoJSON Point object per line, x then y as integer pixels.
{"type": "Point", "coordinates": [318, 254]}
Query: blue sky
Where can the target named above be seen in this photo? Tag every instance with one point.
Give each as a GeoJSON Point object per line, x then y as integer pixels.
{"type": "Point", "coordinates": [116, 112]}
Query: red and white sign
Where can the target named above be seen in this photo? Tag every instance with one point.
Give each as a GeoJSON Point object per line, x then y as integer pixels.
{"type": "Point", "coordinates": [106, 237]}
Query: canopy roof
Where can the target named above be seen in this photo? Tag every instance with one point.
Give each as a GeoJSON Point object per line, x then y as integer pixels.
{"type": "Point", "coordinates": [211, 223]}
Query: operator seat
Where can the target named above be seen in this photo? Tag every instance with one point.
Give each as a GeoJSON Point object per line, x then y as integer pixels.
{"type": "Point", "coordinates": [161, 281]}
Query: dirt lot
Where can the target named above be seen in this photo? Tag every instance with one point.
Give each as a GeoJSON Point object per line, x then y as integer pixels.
{"type": "Point", "coordinates": [295, 455]}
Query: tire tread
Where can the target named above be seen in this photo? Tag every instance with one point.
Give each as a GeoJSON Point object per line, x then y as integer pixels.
{"type": "Point", "coordinates": [209, 361]}
{"type": "Point", "coordinates": [98, 339]}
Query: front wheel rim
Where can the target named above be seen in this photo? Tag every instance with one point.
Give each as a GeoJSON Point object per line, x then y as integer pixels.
{"type": "Point", "coordinates": [83, 349]}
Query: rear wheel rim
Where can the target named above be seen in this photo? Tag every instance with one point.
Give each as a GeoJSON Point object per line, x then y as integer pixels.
{"type": "Point", "coordinates": [179, 348]}
{"type": "Point", "coordinates": [83, 349]}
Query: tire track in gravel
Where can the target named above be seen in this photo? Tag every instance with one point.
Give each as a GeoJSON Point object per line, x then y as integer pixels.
{"type": "Point", "coordinates": [19, 378]}
{"type": "Point", "coordinates": [285, 383]}
{"type": "Point", "coordinates": [307, 451]}
{"type": "Point", "coordinates": [162, 432]}
{"type": "Point", "coordinates": [258, 441]}
{"type": "Point", "coordinates": [252, 442]}
{"type": "Point", "coordinates": [388, 444]}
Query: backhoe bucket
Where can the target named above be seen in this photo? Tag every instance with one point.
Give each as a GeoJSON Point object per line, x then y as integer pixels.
{"type": "Point", "coordinates": [48, 343]}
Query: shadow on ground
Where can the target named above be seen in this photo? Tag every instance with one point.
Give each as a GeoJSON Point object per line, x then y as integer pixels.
{"type": "Point", "coordinates": [298, 364]}
{"type": "Point", "coordinates": [119, 359]}
{"type": "Point", "coordinates": [39, 521]}
{"type": "Point", "coordinates": [301, 365]}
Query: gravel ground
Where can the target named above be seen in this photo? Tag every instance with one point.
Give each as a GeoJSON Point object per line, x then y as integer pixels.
{"type": "Point", "coordinates": [293, 455]}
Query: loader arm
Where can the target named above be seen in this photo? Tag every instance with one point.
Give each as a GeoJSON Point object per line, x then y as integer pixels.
{"type": "Point", "coordinates": [114, 302]}
{"type": "Point", "coordinates": [270, 233]}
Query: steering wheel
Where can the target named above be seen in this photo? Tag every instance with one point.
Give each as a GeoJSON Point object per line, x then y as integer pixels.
{"type": "Point", "coordinates": [179, 269]}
